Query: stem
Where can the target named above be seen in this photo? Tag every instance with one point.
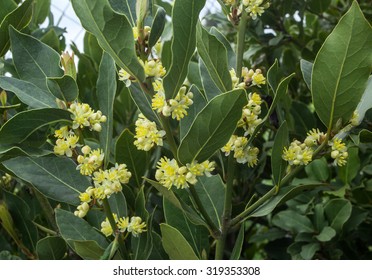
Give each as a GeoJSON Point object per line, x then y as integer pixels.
{"type": "Point", "coordinates": [213, 228]}
{"type": "Point", "coordinates": [240, 43]}
{"type": "Point", "coordinates": [110, 217]}
{"type": "Point", "coordinates": [44, 229]}
{"type": "Point", "coordinates": [226, 217]}
{"type": "Point", "coordinates": [287, 178]}
{"type": "Point", "coordinates": [170, 137]}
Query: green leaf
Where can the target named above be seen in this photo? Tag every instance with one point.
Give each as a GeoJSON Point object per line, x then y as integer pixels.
{"type": "Point", "coordinates": [278, 165]}
{"type": "Point", "coordinates": [136, 160]}
{"type": "Point", "coordinates": [28, 93]}
{"type": "Point", "coordinates": [92, 48]}
{"type": "Point", "coordinates": [366, 101]}
{"type": "Point", "coordinates": [338, 211]}
{"type": "Point", "coordinates": [326, 234]}
{"type": "Point", "coordinates": [18, 19]}
{"type": "Point", "coordinates": [210, 88]}
{"type": "Point", "coordinates": [271, 234]}
{"type": "Point", "coordinates": [318, 170]}
{"type": "Point", "coordinates": [64, 88]}
{"type": "Point", "coordinates": [308, 251]}
{"type": "Point", "coordinates": [341, 68]}
{"type": "Point", "coordinates": [7, 222]}
{"type": "Point", "coordinates": [304, 120]}
{"type": "Point", "coordinates": [106, 90]}
{"type": "Point", "coordinates": [196, 236]}
{"type": "Point", "coordinates": [113, 31]}
{"type": "Point", "coordinates": [212, 127]}
{"type": "Point", "coordinates": [350, 170]}
{"type": "Point", "coordinates": [196, 107]}
{"type": "Point", "coordinates": [125, 7]}
{"type": "Point", "coordinates": [211, 191]}
{"type": "Point", "coordinates": [231, 57]}
{"type": "Point", "coordinates": [214, 55]}
{"type": "Point", "coordinates": [7, 6]}
{"type": "Point", "coordinates": [41, 11]}
{"type": "Point", "coordinates": [73, 229]}
{"type": "Point", "coordinates": [158, 252]}
{"type": "Point", "coordinates": [55, 177]}
{"type": "Point", "coordinates": [51, 248]}
{"type": "Point", "coordinates": [118, 204]}
{"type": "Point", "coordinates": [293, 221]}
{"type": "Point", "coordinates": [23, 124]}
{"type": "Point", "coordinates": [34, 60]}
{"type": "Point", "coordinates": [175, 244]}
{"type": "Point", "coordinates": [319, 6]}
{"type": "Point", "coordinates": [185, 15]}
{"type": "Point", "coordinates": [237, 250]}
{"type": "Point", "coordinates": [88, 249]}
{"type": "Point", "coordinates": [306, 69]}
{"type": "Point", "coordinates": [157, 27]}
{"type": "Point", "coordinates": [274, 76]}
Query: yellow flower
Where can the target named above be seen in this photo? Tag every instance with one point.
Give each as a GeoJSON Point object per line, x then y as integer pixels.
{"type": "Point", "coordinates": [258, 79]}
{"type": "Point", "coordinates": [84, 116]}
{"type": "Point", "coordinates": [63, 132]}
{"type": "Point", "coordinates": [158, 102]}
{"type": "Point", "coordinates": [106, 228]}
{"type": "Point", "coordinates": [255, 7]}
{"type": "Point", "coordinates": [181, 103]}
{"type": "Point", "coordinates": [82, 210]}
{"type": "Point", "coordinates": [154, 68]}
{"type": "Point", "coordinates": [339, 152]}
{"type": "Point", "coordinates": [250, 120]}
{"type": "Point", "coordinates": [125, 77]}
{"type": "Point", "coordinates": [297, 153]}
{"type": "Point", "coordinates": [229, 146]}
{"type": "Point", "coordinates": [65, 146]}
{"type": "Point", "coordinates": [313, 137]}
{"type": "Point", "coordinates": [90, 162]}
{"type": "Point", "coordinates": [147, 135]}
{"type": "Point", "coordinates": [123, 224]}
{"type": "Point", "coordinates": [167, 172]}
{"type": "Point", "coordinates": [136, 226]}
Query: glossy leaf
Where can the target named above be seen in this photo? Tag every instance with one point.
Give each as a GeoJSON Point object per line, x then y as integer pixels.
{"type": "Point", "coordinates": [28, 93]}
{"type": "Point", "coordinates": [212, 127]}
{"type": "Point", "coordinates": [113, 31]}
{"type": "Point", "coordinates": [73, 228]}
{"type": "Point", "coordinates": [306, 69]}
{"type": "Point", "coordinates": [6, 8]}
{"type": "Point", "coordinates": [136, 160]}
{"type": "Point", "coordinates": [278, 165]}
{"type": "Point", "coordinates": [63, 88]}
{"type": "Point", "coordinates": [88, 249]}
{"type": "Point", "coordinates": [318, 170]}
{"type": "Point", "coordinates": [274, 76]}
{"type": "Point", "coordinates": [34, 60]}
{"type": "Point", "coordinates": [308, 251]}
{"type": "Point", "coordinates": [23, 124]}
{"type": "Point", "coordinates": [210, 88]}
{"type": "Point", "coordinates": [338, 211]}
{"type": "Point", "coordinates": [106, 90]}
{"type": "Point", "coordinates": [214, 55]}
{"type": "Point", "coordinates": [326, 234]}
{"type": "Point", "coordinates": [157, 27]}
{"type": "Point", "coordinates": [211, 191]}
{"type": "Point", "coordinates": [175, 244]}
{"type": "Point", "coordinates": [51, 248]}
{"type": "Point", "coordinates": [293, 221]}
{"type": "Point", "coordinates": [185, 15]}
{"type": "Point", "coordinates": [230, 52]}
{"type": "Point", "coordinates": [18, 19]}
{"type": "Point", "coordinates": [55, 177]}
{"type": "Point", "coordinates": [341, 68]}
{"type": "Point", "coordinates": [126, 7]}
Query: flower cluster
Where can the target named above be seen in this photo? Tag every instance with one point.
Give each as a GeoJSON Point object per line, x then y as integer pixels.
{"type": "Point", "coordinates": [255, 7]}
{"type": "Point", "coordinates": [90, 161]}
{"type": "Point", "coordinates": [339, 151]}
{"type": "Point", "coordinates": [250, 120]}
{"type": "Point", "coordinates": [298, 153]}
{"type": "Point", "coordinates": [147, 134]}
{"type": "Point", "coordinates": [5, 179]}
{"type": "Point", "coordinates": [169, 173]}
{"type": "Point", "coordinates": [67, 141]}
{"type": "Point", "coordinates": [106, 182]}
{"type": "Point", "coordinates": [248, 77]}
{"type": "Point", "coordinates": [242, 153]}
{"type": "Point", "coordinates": [177, 107]}
{"type": "Point", "coordinates": [153, 68]}
{"type": "Point", "coordinates": [84, 116]}
{"type": "Point", "coordinates": [135, 226]}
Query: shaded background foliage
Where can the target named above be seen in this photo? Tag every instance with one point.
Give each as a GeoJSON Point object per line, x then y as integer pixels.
{"type": "Point", "coordinates": [330, 222]}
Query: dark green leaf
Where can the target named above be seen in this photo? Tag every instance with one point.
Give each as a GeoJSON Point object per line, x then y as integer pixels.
{"type": "Point", "coordinates": [274, 76]}
{"type": "Point", "coordinates": [55, 177]}
{"type": "Point", "coordinates": [106, 90]}
{"type": "Point", "coordinates": [136, 160]}
{"type": "Point", "coordinates": [271, 234]}
{"type": "Point", "coordinates": [28, 93]}
{"type": "Point", "coordinates": [158, 252]}
{"type": "Point", "coordinates": [338, 211]}
{"type": "Point", "coordinates": [7, 6]}
{"type": "Point", "coordinates": [214, 55]}
{"type": "Point", "coordinates": [118, 204]}
{"type": "Point", "coordinates": [341, 68]}
{"type": "Point", "coordinates": [113, 31]}
{"type": "Point", "coordinates": [34, 60]}
{"type": "Point", "coordinates": [319, 6]}
{"type": "Point", "coordinates": [210, 88]}
{"type": "Point", "coordinates": [278, 165]}
{"type": "Point", "coordinates": [212, 127]}
{"type": "Point", "coordinates": [88, 249]}
{"type": "Point", "coordinates": [73, 228]}
{"type": "Point", "coordinates": [318, 170]}
{"type": "Point", "coordinates": [18, 19]}
{"type": "Point", "coordinates": [157, 27]}
{"type": "Point", "coordinates": [349, 171]}
{"type": "Point", "coordinates": [366, 102]}
{"type": "Point", "coordinates": [51, 248]}
{"type": "Point", "coordinates": [64, 88]}
{"type": "Point", "coordinates": [231, 57]}
{"type": "Point", "coordinates": [293, 221]}
{"type": "Point", "coordinates": [308, 251]}
{"type": "Point", "coordinates": [125, 7]}
{"type": "Point", "coordinates": [326, 234]}
{"type": "Point", "coordinates": [306, 69]}
{"type": "Point", "coordinates": [185, 15]}
{"type": "Point", "coordinates": [175, 244]}
{"type": "Point", "coordinates": [237, 250]}
{"type": "Point", "coordinates": [41, 11]}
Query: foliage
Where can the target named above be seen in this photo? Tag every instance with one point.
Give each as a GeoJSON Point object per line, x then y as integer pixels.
{"type": "Point", "coordinates": [245, 134]}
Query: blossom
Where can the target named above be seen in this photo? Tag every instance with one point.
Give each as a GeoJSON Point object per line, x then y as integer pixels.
{"type": "Point", "coordinates": [255, 7]}
{"type": "Point", "coordinates": [167, 172]}
{"type": "Point", "coordinates": [297, 153]}
{"type": "Point", "coordinates": [147, 134]}
{"type": "Point", "coordinates": [84, 116]}
{"type": "Point", "coordinates": [242, 152]}
{"type": "Point", "coordinates": [339, 151]}
{"type": "Point", "coordinates": [63, 132]}
{"type": "Point", "coordinates": [123, 224]}
{"type": "Point", "coordinates": [82, 210]}
{"type": "Point", "coordinates": [314, 136]}
{"type": "Point", "coordinates": [125, 77]}
{"type": "Point", "coordinates": [136, 226]}
{"type": "Point", "coordinates": [65, 146]}
{"type": "Point", "coordinates": [153, 68]}
{"type": "Point", "coordinates": [250, 120]}
{"type": "Point", "coordinates": [106, 228]}
{"type": "Point", "coordinates": [91, 161]}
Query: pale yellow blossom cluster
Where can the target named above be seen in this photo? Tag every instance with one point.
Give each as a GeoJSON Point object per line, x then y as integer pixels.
{"type": "Point", "coordinates": [255, 7]}
{"type": "Point", "coordinates": [248, 77]}
{"type": "Point", "coordinates": [5, 179]}
{"type": "Point", "coordinates": [135, 226]}
{"type": "Point", "coordinates": [147, 134]}
{"type": "Point", "coordinates": [66, 143]}
{"type": "Point", "coordinates": [250, 116]}
{"type": "Point", "coordinates": [298, 153]}
{"type": "Point", "coordinates": [177, 107]}
{"type": "Point", "coordinates": [90, 161]}
{"type": "Point", "coordinates": [84, 116]}
{"type": "Point", "coordinates": [242, 153]}
{"type": "Point", "coordinates": [169, 173]}
{"type": "Point", "coordinates": [339, 151]}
